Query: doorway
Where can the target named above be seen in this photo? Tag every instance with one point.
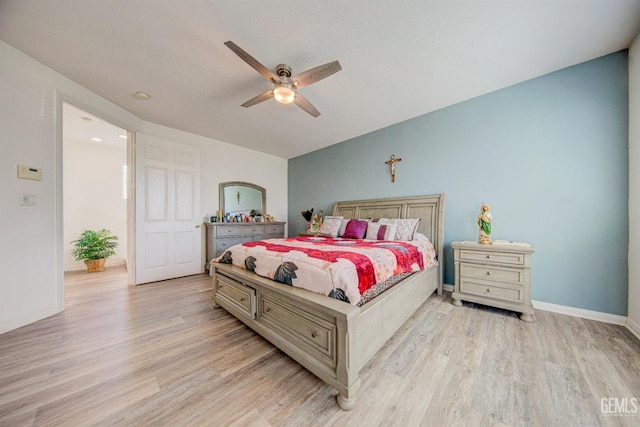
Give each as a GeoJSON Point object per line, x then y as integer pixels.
{"type": "Point", "coordinates": [96, 176]}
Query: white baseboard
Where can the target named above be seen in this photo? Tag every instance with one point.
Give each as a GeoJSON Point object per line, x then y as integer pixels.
{"type": "Point", "coordinates": [448, 288]}
{"type": "Point", "coordinates": [581, 312]}
{"type": "Point", "coordinates": [633, 327]}
{"type": "Point", "coordinates": [114, 263]}
{"type": "Point", "coordinates": [30, 318]}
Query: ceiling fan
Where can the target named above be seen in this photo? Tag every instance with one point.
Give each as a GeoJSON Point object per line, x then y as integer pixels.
{"type": "Point", "coordinates": [285, 88]}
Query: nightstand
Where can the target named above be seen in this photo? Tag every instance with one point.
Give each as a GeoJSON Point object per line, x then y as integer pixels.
{"type": "Point", "coordinates": [498, 275]}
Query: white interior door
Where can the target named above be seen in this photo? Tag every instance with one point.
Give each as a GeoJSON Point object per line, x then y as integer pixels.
{"type": "Point", "coordinates": [168, 223]}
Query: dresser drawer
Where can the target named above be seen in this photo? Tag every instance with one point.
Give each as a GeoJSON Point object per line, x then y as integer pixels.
{"type": "Point", "coordinates": [509, 258]}
{"type": "Point", "coordinates": [313, 332]}
{"type": "Point", "coordinates": [223, 230]}
{"type": "Point", "coordinates": [224, 244]}
{"type": "Point", "coordinates": [235, 293]}
{"type": "Point", "coordinates": [492, 273]}
{"type": "Point", "coordinates": [252, 230]}
{"type": "Point", "coordinates": [274, 229]}
{"type": "Point", "coordinates": [500, 291]}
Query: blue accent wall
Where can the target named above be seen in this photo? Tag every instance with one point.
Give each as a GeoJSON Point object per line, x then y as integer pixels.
{"type": "Point", "coordinates": [550, 156]}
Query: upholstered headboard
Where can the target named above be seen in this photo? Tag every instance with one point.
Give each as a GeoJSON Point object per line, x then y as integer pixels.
{"type": "Point", "coordinates": [430, 210]}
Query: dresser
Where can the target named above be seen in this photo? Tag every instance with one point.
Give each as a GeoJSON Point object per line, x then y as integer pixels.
{"type": "Point", "coordinates": [495, 275]}
{"type": "Point", "coordinates": [222, 235]}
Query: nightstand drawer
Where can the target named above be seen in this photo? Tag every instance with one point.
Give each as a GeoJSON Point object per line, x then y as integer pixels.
{"type": "Point", "coordinates": [492, 290]}
{"type": "Point", "coordinates": [492, 273]}
{"type": "Point", "coordinates": [492, 257]}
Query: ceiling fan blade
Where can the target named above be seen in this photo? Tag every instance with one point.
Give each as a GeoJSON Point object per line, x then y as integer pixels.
{"type": "Point", "coordinates": [302, 102]}
{"type": "Point", "coordinates": [258, 99]}
{"type": "Point", "coordinates": [266, 73]}
{"type": "Point", "coordinates": [315, 74]}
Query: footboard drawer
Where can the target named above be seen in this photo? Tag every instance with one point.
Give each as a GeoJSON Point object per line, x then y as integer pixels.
{"type": "Point", "coordinates": [239, 296]}
{"type": "Point", "coordinates": [306, 329]}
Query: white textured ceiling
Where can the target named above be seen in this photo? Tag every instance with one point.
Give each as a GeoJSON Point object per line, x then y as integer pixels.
{"type": "Point", "coordinates": [400, 59]}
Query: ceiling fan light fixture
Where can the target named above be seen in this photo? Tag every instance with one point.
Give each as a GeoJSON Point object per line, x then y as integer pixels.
{"type": "Point", "coordinates": [284, 94]}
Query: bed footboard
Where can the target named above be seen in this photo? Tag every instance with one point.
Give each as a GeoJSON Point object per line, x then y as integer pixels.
{"type": "Point", "coordinates": [330, 338]}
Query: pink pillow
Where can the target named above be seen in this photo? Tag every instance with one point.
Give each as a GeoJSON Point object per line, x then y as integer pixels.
{"type": "Point", "coordinates": [356, 229]}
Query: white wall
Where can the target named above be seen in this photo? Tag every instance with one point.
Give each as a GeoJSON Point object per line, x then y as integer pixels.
{"type": "Point", "coordinates": [93, 197]}
{"type": "Point", "coordinates": [634, 187]}
{"type": "Point", "coordinates": [31, 238]}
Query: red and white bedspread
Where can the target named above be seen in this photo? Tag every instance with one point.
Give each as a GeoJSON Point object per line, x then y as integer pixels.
{"type": "Point", "coordinates": [340, 268]}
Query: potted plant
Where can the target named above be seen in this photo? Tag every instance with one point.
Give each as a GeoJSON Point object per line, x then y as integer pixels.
{"type": "Point", "coordinates": [94, 247]}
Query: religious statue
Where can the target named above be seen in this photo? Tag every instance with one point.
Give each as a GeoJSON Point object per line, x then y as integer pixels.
{"type": "Point", "coordinates": [392, 162]}
{"type": "Point", "coordinates": [484, 223]}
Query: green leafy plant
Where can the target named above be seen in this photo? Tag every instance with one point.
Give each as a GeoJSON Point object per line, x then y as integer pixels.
{"type": "Point", "coordinates": [92, 245]}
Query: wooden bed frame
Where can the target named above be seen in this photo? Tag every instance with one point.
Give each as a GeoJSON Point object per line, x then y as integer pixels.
{"type": "Point", "coordinates": [331, 338]}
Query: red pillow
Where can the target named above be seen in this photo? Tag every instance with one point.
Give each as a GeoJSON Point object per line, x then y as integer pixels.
{"type": "Point", "coordinates": [356, 229]}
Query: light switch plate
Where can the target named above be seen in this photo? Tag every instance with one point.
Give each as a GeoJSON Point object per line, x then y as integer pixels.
{"type": "Point", "coordinates": [28, 199]}
{"type": "Point", "coordinates": [29, 172]}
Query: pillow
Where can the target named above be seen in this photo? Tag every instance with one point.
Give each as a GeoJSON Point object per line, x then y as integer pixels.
{"type": "Point", "coordinates": [377, 231]}
{"type": "Point", "coordinates": [420, 236]}
{"type": "Point", "coordinates": [406, 226]}
{"type": "Point", "coordinates": [356, 229]}
{"type": "Point", "coordinates": [343, 227]}
{"type": "Point", "coordinates": [330, 226]}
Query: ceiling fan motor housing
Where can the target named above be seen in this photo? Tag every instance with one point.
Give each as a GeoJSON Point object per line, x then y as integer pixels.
{"type": "Point", "coordinates": [283, 70]}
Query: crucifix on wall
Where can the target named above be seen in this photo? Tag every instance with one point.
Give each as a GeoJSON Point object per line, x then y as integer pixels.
{"type": "Point", "coordinates": [392, 162]}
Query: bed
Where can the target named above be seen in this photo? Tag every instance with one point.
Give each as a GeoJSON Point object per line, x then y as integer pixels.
{"type": "Point", "coordinates": [331, 338]}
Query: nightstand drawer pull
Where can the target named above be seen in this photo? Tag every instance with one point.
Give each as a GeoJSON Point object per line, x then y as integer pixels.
{"type": "Point", "coordinates": [268, 309]}
{"type": "Point", "coordinates": [488, 289]}
{"type": "Point", "coordinates": [488, 273]}
{"type": "Point", "coordinates": [314, 334]}
{"type": "Point", "coordinates": [241, 299]}
{"type": "Point", "coordinates": [488, 256]}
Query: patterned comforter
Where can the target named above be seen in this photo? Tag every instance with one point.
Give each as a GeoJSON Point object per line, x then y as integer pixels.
{"type": "Point", "coordinates": [345, 269]}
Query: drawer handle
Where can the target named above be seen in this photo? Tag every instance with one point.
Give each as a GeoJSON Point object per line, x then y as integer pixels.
{"type": "Point", "coordinates": [488, 289]}
{"type": "Point", "coordinates": [488, 273]}
{"type": "Point", "coordinates": [219, 287]}
{"type": "Point", "coordinates": [268, 309]}
{"type": "Point", "coordinates": [314, 334]}
{"type": "Point", "coordinates": [241, 299]}
{"type": "Point", "coordinates": [488, 256]}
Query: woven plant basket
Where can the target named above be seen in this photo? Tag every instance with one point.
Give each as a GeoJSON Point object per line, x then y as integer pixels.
{"type": "Point", "coordinates": [95, 265]}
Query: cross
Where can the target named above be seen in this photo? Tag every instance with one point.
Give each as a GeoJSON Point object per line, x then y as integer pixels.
{"type": "Point", "coordinates": [392, 162]}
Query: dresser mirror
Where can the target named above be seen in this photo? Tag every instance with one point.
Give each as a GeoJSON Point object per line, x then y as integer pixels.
{"type": "Point", "coordinates": [238, 197]}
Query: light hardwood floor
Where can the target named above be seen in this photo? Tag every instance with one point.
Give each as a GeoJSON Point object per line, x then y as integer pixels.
{"type": "Point", "coordinates": [160, 355]}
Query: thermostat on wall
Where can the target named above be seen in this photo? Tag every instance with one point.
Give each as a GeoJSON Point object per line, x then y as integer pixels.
{"type": "Point", "coordinates": [28, 172]}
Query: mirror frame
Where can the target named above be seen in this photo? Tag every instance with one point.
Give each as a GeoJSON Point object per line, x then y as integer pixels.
{"type": "Point", "coordinates": [223, 185]}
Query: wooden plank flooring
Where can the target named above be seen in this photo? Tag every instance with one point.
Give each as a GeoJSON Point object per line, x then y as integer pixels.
{"type": "Point", "coordinates": [160, 355]}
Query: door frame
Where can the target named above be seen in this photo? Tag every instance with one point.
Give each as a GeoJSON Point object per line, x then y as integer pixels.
{"type": "Point", "coordinates": [59, 199]}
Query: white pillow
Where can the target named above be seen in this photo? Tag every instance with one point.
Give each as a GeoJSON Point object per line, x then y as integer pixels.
{"type": "Point", "coordinates": [377, 231]}
{"type": "Point", "coordinates": [406, 226]}
{"type": "Point", "coordinates": [330, 226]}
{"type": "Point", "coordinates": [420, 236]}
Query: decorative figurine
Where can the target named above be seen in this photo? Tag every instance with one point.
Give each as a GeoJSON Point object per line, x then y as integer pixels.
{"type": "Point", "coordinates": [484, 223]}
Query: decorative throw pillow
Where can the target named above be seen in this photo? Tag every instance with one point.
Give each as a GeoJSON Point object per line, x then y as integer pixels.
{"type": "Point", "coordinates": [330, 226]}
{"type": "Point", "coordinates": [356, 229]}
{"type": "Point", "coordinates": [377, 231]}
{"type": "Point", "coordinates": [407, 227]}
{"type": "Point", "coordinates": [343, 227]}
